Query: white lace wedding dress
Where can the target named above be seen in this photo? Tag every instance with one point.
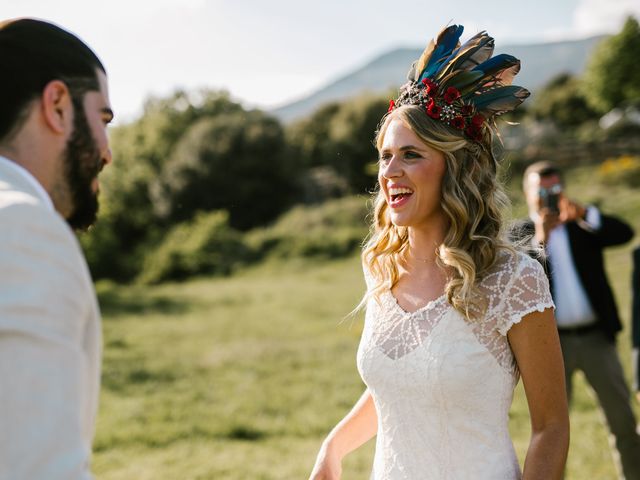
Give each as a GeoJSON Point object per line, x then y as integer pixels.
{"type": "Point", "coordinates": [443, 385]}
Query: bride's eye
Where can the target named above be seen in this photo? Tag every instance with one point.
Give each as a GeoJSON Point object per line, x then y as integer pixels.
{"type": "Point", "coordinates": [384, 158]}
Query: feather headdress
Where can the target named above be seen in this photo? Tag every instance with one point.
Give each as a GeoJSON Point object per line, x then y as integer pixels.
{"type": "Point", "coordinates": [462, 85]}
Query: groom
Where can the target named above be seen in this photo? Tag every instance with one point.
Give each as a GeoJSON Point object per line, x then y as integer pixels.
{"type": "Point", "coordinates": [54, 111]}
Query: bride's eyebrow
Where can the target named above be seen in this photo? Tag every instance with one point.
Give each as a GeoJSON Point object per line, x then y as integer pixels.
{"type": "Point", "coordinates": [402, 149]}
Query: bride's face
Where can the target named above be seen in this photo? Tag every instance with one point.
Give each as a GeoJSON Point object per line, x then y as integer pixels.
{"type": "Point", "coordinates": [410, 176]}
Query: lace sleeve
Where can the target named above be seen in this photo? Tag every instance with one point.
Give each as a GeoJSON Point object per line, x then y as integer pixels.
{"type": "Point", "coordinates": [527, 292]}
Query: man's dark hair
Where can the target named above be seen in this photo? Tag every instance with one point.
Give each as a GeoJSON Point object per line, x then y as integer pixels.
{"type": "Point", "coordinates": [543, 168]}
{"type": "Point", "coordinates": [32, 54]}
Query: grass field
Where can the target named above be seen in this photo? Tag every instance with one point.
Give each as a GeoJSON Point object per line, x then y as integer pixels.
{"type": "Point", "coordinates": [240, 378]}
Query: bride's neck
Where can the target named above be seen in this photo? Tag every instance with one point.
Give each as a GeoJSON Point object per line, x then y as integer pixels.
{"type": "Point", "coordinates": [423, 245]}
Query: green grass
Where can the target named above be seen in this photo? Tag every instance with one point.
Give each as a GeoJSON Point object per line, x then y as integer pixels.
{"type": "Point", "coordinates": [242, 377]}
{"type": "Point", "coordinates": [235, 378]}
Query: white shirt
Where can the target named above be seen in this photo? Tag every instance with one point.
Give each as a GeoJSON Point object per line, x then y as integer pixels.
{"type": "Point", "coordinates": [573, 308]}
{"type": "Point", "coordinates": [50, 338]}
{"type": "Point", "coordinates": [26, 174]}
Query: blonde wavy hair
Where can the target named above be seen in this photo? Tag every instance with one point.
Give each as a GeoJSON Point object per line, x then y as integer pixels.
{"type": "Point", "coordinates": [473, 202]}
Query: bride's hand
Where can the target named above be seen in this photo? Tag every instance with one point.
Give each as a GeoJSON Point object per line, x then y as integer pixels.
{"type": "Point", "coordinates": [327, 467]}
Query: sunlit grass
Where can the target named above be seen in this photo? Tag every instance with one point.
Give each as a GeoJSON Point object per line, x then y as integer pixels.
{"type": "Point", "coordinates": [241, 378]}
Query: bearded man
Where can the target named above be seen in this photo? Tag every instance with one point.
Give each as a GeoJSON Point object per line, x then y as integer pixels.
{"type": "Point", "coordinates": [54, 112]}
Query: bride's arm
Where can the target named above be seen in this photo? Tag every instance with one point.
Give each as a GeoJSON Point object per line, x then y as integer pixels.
{"type": "Point", "coordinates": [358, 426]}
{"type": "Point", "coordinates": [536, 347]}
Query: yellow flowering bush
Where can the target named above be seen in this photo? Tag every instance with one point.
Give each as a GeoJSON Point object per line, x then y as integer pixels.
{"type": "Point", "coordinates": [624, 169]}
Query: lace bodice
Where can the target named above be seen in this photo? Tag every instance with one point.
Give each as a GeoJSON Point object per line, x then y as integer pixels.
{"type": "Point", "coordinates": [442, 384]}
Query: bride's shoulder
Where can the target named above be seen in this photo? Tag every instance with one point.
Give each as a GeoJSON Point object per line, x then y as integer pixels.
{"type": "Point", "coordinates": [514, 260]}
{"type": "Point", "coordinates": [518, 285]}
{"type": "Point", "coordinates": [510, 265]}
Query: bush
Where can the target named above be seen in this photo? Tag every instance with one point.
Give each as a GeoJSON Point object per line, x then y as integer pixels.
{"type": "Point", "coordinates": [624, 169]}
{"type": "Point", "coordinates": [204, 245]}
{"type": "Point", "coordinates": [234, 162]}
{"type": "Point", "coordinates": [562, 102]}
{"type": "Point", "coordinates": [334, 229]}
{"type": "Point", "coordinates": [126, 222]}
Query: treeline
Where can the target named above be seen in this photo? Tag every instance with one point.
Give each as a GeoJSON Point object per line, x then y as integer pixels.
{"type": "Point", "coordinates": [197, 171]}
{"type": "Point", "coordinates": [611, 80]}
{"type": "Point", "coordinates": [198, 181]}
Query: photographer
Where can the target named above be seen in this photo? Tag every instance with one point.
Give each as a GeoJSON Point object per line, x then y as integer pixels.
{"type": "Point", "coordinates": [573, 237]}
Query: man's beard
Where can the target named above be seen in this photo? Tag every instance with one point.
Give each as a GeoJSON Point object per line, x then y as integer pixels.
{"type": "Point", "coordinates": [82, 163]}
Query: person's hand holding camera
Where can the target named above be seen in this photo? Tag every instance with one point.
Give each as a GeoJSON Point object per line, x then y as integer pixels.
{"type": "Point", "coordinates": [571, 211]}
{"type": "Point", "coordinates": [546, 221]}
{"type": "Point", "coordinates": [548, 212]}
{"type": "Point", "coordinates": [554, 210]}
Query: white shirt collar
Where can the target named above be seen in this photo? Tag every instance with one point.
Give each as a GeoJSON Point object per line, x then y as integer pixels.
{"type": "Point", "coordinates": [26, 174]}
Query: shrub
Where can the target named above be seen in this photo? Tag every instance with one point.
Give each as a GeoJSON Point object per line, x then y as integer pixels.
{"type": "Point", "coordinates": [204, 245]}
{"type": "Point", "coordinates": [562, 102]}
{"type": "Point", "coordinates": [334, 229]}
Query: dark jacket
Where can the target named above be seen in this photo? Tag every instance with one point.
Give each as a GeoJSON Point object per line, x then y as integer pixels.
{"type": "Point", "coordinates": [635, 309]}
{"type": "Point", "coordinates": [586, 250]}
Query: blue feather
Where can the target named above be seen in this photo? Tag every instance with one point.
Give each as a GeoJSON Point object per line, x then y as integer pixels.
{"type": "Point", "coordinates": [480, 51]}
{"type": "Point", "coordinates": [480, 46]}
{"type": "Point", "coordinates": [447, 41]}
{"type": "Point", "coordinates": [500, 99]}
{"type": "Point", "coordinates": [497, 64]}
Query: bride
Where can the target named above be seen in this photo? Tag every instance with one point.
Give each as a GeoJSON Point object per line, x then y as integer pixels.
{"type": "Point", "coordinates": [454, 313]}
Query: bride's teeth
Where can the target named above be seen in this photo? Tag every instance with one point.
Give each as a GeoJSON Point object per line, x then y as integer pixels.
{"type": "Point", "coordinates": [399, 191]}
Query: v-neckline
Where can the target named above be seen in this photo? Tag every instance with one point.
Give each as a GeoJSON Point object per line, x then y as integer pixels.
{"type": "Point", "coordinates": [427, 306]}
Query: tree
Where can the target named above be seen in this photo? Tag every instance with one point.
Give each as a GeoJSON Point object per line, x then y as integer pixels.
{"type": "Point", "coordinates": [613, 75]}
{"type": "Point", "coordinates": [562, 102]}
{"type": "Point", "coordinates": [340, 136]}
{"type": "Point", "coordinates": [309, 137]}
{"type": "Point", "coordinates": [165, 120]}
{"type": "Point", "coordinates": [352, 132]}
{"type": "Point", "coordinates": [127, 220]}
{"type": "Point", "coordinates": [236, 162]}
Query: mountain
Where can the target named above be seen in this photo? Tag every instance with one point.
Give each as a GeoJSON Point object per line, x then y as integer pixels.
{"type": "Point", "coordinates": [540, 63]}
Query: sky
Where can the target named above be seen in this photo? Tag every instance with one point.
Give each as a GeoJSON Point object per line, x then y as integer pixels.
{"type": "Point", "coordinates": [267, 53]}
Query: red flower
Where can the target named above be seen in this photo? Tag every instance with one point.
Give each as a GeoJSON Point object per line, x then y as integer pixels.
{"type": "Point", "coordinates": [458, 122]}
{"type": "Point", "coordinates": [392, 105]}
{"type": "Point", "coordinates": [430, 86]}
{"type": "Point", "coordinates": [477, 120]}
{"type": "Point", "coordinates": [433, 110]}
{"type": "Point", "coordinates": [451, 95]}
{"type": "Point", "coordinates": [466, 110]}
{"type": "Point", "coordinates": [473, 132]}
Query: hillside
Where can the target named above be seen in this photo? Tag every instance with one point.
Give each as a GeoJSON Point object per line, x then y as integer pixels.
{"type": "Point", "coordinates": [540, 63]}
